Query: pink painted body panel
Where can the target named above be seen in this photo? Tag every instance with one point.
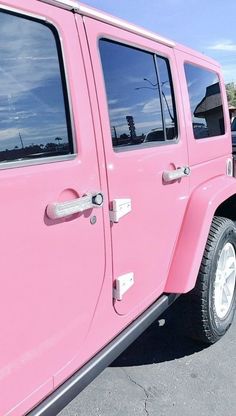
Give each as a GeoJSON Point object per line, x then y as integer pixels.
{"type": "Point", "coordinates": [207, 160]}
{"type": "Point", "coordinates": [53, 271]}
{"type": "Point", "coordinates": [140, 241]}
{"type": "Point", "coordinates": [57, 308]}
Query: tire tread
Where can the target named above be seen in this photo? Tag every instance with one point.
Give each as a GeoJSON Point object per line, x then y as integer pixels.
{"type": "Point", "coordinates": [197, 299]}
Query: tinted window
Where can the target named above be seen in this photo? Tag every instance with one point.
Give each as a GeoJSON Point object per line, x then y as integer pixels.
{"type": "Point", "coordinates": [33, 120]}
{"type": "Point", "coordinates": [233, 125]}
{"type": "Point", "coordinates": [167, 98]}
{"type": "Point", "coordinates": [135, 95]}
{"type": "Point", "coordinates": [206, 102]}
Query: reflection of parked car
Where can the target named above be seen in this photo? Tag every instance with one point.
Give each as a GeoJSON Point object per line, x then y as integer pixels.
{"type": "Point", "coordinates": [233, 130]}
{"type": "Point", "coordinates": [200, 130]}
{"type": "Point", "coordinates": [155, 135]}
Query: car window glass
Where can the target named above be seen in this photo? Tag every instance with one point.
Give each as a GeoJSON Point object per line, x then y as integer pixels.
{"type": "Point", "coordinates": [33, 118]}
{"type": "Point", "coordinates": [134, 97]}
{"type": "Point", "coordinates": [167, 98]}
{"type": "Point", "coordinates": [233, 125]}
{"type": "Point", "coordinates": [206, 102]}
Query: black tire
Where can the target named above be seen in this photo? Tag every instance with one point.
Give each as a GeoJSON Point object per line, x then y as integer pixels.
{"type": "Point", "coordinates": [205, 324]}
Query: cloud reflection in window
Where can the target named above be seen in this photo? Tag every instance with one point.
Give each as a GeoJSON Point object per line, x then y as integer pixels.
{"type": "Point", "coordinates": [32, 110]}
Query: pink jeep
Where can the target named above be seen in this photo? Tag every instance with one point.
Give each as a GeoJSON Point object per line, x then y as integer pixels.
{"type": "Point", "coordinates": [117, 195]}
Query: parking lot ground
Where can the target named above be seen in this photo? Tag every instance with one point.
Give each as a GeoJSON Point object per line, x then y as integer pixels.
{"type": "Point", "coordinates": [165, 374]}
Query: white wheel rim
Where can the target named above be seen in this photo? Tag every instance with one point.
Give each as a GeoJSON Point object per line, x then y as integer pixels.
{"type": "Point", "coordinates": [225, 280]}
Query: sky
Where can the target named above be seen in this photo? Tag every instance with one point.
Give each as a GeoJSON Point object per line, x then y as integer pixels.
{"type": "Point", "coordinates": [208, 26]}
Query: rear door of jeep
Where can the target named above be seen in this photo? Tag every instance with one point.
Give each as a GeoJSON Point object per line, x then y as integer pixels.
{"type": "Point", "coordinates": [145, 144]}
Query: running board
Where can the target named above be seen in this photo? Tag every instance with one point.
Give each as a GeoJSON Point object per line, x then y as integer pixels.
{"type": "Point", "coordinates": [64, 394]}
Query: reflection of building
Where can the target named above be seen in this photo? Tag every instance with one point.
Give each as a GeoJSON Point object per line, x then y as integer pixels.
{"type": "Point", "coordinates": [211, 109]}
{"type": "Point", "coordinates": [130, 121]}
{"type": "Point", "coordinates": [232, 112]}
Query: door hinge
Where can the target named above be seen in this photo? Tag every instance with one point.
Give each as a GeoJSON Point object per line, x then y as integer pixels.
{"type": "Point", "coordinates": [122, 284]}
{"type": "Point", "coordinates": [119, 208]}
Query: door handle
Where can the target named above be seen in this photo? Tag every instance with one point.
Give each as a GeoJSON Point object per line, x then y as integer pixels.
{"type": "Point", "coordinates": [57, 210]}
{"type": "Point", "coordinates": [174, 175]}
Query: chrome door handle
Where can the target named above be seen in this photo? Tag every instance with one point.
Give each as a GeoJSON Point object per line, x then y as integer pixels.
{"type": "Point", "coordinates": [57, 210]}
{"type": "Point", "coordinates": [174, 175]}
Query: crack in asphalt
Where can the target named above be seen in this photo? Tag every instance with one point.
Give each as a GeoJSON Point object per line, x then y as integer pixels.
{"type": "Point", "coordinates": [141, 387]}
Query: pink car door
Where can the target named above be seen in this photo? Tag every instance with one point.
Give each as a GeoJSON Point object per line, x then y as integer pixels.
{"type": "Point", "coordinates": [146, 158]}
{"type": "Point", "coordinates": [52, 255]}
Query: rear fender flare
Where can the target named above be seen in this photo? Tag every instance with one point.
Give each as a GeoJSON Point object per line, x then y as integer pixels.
{"type": "Point", "coordinates": [195, 228]}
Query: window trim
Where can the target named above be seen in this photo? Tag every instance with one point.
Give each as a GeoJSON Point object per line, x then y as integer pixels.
{"type": "Point", "coordinates": [214, 71]}
{"type": "Point", "coordinates": [66, 93]}
{"type": "Point", "coordinates": [154, 54]}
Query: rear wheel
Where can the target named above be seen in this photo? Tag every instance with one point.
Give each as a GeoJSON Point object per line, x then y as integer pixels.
{"type": "Point", "coordinates": [211, 304]}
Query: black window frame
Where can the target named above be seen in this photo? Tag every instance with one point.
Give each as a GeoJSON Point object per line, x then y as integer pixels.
{"type": "Point", "coordinates": [156, 69]}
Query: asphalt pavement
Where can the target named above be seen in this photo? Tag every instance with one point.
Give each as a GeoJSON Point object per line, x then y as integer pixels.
{"type": "Point", "coordinates": [165, 374]}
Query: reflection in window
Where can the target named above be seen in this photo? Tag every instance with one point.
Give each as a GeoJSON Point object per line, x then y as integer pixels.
{"type": "Point", "coordinates": [135, 95]}
{"type": "Point", "coordinates": [167, 98]}
{"type": "Point", "coordinates": [206, 102]}
{"type": "Point", "coordinates": [33, 121]}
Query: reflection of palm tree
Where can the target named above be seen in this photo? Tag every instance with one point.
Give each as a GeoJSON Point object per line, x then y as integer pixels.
{"type": "Point", "coordinates": [58, 139]}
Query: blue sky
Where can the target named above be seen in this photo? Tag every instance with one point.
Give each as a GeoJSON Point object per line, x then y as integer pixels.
{"type": "Point", "coordinates": [207, 26]}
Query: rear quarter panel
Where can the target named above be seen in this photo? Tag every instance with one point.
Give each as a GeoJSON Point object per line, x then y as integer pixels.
{"type": "Point", "coordinates": [209, 185]}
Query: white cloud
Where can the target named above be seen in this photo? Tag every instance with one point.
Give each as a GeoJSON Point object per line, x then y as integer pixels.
{"type": "Point", "coordinates": [112, 102]}
{"type": "Point", "coordinates": [10, 133]}
{"type": "Point", "coordinates": [151, 106]}
{"type": "Point", "coordinates": [226, 45]}
{"type": "Point", "coordinates": [119, 110]}
{"type": "Point", "coordinates": [27, 60]}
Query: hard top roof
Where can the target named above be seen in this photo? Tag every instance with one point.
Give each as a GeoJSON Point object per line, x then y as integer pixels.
{"type": "Point", "coordinates": [80, 8]}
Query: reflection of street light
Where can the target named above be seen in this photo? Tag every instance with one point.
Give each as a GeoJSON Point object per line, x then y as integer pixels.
{"type": "Point", "coordinates": [147, 88]}
{"type": "Point", "coordinates": [22, 144]}
{"type": "Point", "coordinates": [167, 104]}
{"type": "Point", "coordinates": [150, 82]}
{"type": "Point", "coordinates": [155, 87]}
{"type": "Point", "coordinates": [115, 133]}
{"type": "Point", "coordinates": [114, 128]}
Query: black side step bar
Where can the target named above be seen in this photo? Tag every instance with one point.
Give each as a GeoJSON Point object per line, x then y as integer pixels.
{"type": "Point", "coordinates": [64, 394]}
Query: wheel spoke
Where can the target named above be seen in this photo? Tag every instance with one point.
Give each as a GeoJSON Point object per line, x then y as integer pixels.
{"type": "Point", "coordinates": [226, 291]}
{"type": "Point", "coordinates": [225, 280]}
{"type": "Point", "coordinates": [231, 276]}
{"type": "Point", "coordinates": [224, 298]}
